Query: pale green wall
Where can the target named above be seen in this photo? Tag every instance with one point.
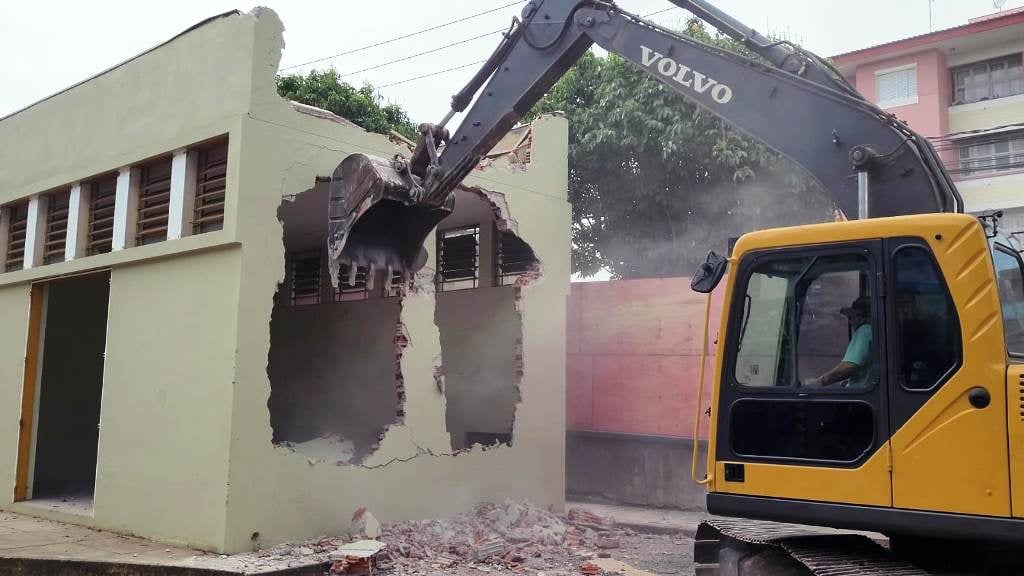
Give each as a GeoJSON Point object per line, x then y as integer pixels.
{"type": "Point", "coordinates": [14, 305]}
{"type": "Point", "coordinates": [283, 152]}
{"type": "Point", "coordinates": [185, 451]}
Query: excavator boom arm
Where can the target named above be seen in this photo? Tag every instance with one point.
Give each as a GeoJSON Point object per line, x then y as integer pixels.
{"type": "Point", "coordinates": [795, 104]}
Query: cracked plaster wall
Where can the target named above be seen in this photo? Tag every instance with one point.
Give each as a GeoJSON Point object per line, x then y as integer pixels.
{"type": "Point", "coordinates": [185, 451]}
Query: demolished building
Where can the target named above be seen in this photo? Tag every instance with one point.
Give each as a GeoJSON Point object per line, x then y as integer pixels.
{"type": "Point", "coordinates": [175, 362]}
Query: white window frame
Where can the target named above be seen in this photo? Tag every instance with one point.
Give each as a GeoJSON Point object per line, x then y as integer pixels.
{"type": "Point", "coordinates": [910, 98]}
{"type": "Point", "coordinates": [987, 160]}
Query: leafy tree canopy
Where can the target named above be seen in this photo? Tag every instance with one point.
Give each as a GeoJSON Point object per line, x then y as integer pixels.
{"type": "Point", "coordinates": [324, 89]}
{"type": "Point", "coordinates": [655, 181]}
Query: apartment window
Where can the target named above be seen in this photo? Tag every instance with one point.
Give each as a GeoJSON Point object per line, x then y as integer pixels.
{"type": "Point", "coordinates": [396, 284]}
{"type": "Point", "coordinates": [513, 258]}
{"type": "Point", "coordinates": [15, 257]}
{"type": "Point", "coordinates": [56, 227]}
{"type": "Point", "coordinates": [100, 235]}
{"type": "Point", "coordinates": [351, 287]}
{"type": "Point", "coordinates": [458, 258]}
{"type": "Point", "coordinates": [996, 78]}
{"type": "Point", "coordinates": [154, 202]}
{"type": "Point", "coordinates": [896, 86]}
{"type": "Point", "coordinates": [304, 270]}
{"type": "Point", "coordinates": [211, 178]}
{"type": "Point", "coordinates": [994, 153]}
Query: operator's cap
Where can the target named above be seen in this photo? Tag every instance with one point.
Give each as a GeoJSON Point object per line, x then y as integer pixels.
{"type": "Point", "coordinates": [862, 306]}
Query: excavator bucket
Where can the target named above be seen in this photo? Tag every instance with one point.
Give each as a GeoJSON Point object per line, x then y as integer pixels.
{"type": "Point", "coordinates": [375, 219]}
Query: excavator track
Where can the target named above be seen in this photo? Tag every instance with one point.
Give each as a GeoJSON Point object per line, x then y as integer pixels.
{"type": "Point", "coordinates": [733, 547]}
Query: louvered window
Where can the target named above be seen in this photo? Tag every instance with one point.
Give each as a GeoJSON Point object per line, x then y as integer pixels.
{"type": "Point", "coordinates": [513, 258]}
{"type": "Point", "coordinates": [305, 277]}
{"type": "Point", "coordinates": [897, 87]}
{"type": "Point", "coordinates": [458, 258]}
{"type": "Point", "coordinates": [56, 227]}
{"type": "Point", "coordinates": [211, 178]}
{"type": "Point", "coordinates": [154, 202]}
{"type": "Point", "coordinates": [100, 233]}
{"type": "Point", "coordinates": [351, 288]}
{"type": "Point", "coordinates": [15, 257]}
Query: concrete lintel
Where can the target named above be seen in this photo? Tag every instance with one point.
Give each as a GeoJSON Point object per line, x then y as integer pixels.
{"type": "Point", "coordinates": [183, 193]}
{"type": "Point", "coordinates": [78, 221]}
{"type": "Point", "coordinates": [126, 202]}
{"type": "Point", "coordinates": [35, 231]}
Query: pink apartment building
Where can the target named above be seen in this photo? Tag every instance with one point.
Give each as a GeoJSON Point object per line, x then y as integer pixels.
{"type": "Point", "coordinates": [962, 88]}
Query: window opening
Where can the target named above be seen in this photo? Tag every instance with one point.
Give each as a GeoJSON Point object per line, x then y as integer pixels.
{"type": "Point", "coordinates": [1011, 295]}
{"type": "Point", "coordinates": [998, 153]}
{"type": "Point", "coordinates": [56, 227]}
{"type": "Point", "coordinates": [305, 277]}
{"type": "Point", "coordinates": [897, 87]}
{"type": "Point", "coordinates": [927, 328]}
{"type": "Point", "coordinates": [458, 255]}
{"type": "Point", "coordinates": [835, 431]}
{"type": "Point", "coordinates": [154, 202]}
{"type": "Point", "coordinates": [101, 215]}
{"type": "Point", "coordinates": [211, 179]}
{"type": "Point", "coordinates": [513, 258]}
{"type": "Point", "coordinates": [395, 285]}
{"type": "Point", "coordinates": [16, 234]}
{"type": "Point", "coordinates": [807, 321]}
{"type": "Point", "coordinates": [996, 78]}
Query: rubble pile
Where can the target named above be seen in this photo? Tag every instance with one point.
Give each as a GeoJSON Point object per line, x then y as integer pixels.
{"type": "Point", "coordinates": [510, 535]}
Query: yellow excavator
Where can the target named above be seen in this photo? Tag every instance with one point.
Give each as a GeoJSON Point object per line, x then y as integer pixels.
{"type": "Point", "coordinates": [869, 373]}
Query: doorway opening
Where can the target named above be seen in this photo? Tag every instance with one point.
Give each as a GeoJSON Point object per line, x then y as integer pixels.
{"type": "Point", "coordinates": [63, 388]}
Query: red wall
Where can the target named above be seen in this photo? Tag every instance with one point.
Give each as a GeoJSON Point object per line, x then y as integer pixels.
{"type": "Point", "coordinates": [634, 356]}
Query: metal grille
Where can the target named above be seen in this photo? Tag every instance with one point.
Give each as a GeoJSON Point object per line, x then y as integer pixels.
{"type": "Point", "coordinates": [56, 227]}
{"type": "Point", "coordinates": [212, 167]}
{"type": "Point", "coordinates": [305, 278]}
{"type": "Point", "coordinates": [154, 202]}
{"type": "Point", "coordinates": [1020, 392]}
{"type": "Point", "coordinates": [458, 258]}
{"type": "Point", "coordinates": [15, 258]}
{"type": "Point", "coordinates": [100, 237]}
{"type": "Point", "coordinates": [346, 292]}
{"type": "Point", "coordinates": [512, 258]}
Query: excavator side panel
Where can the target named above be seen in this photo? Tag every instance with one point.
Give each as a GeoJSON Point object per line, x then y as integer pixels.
{"type": "Point", "coordinates": [950, 454]}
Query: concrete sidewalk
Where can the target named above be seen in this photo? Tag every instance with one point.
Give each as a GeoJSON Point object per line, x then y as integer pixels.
{"type": "Point", "coordinates": [37, 547]}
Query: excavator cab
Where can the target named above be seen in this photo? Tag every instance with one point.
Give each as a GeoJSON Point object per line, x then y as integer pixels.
{"type": "Point", "coordinates": [916, 442]}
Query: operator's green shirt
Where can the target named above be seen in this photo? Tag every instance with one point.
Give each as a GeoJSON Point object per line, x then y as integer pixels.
{"type": "Point", "coordinates": [858, 352]}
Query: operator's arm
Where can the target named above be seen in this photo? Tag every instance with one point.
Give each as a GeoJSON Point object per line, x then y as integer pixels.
{"type": "Point", "coordinates": [858, 354]}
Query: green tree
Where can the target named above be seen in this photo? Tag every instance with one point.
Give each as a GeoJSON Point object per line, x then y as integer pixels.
{"type": "Point", "coordinates": [324, 89]}
{"type": "Point", "coordinates": [655, 181]}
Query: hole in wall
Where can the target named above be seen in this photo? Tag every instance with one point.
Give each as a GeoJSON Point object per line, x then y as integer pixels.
{"type": "Point", "coordinates": [334, 361]}
{"type": "Point", "coordinates": [482, 267]}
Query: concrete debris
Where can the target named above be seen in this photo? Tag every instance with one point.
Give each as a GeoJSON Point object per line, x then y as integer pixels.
{"type": "Point", "coordinates": [357, 558]}
{"type": "Point", "coordinates": [510, 535]}
{"type": "Point", "coordinates": [364, 525]}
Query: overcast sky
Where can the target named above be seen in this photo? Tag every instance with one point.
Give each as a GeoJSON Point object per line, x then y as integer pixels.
{"type": "Point", "coordinates": [47, 46]}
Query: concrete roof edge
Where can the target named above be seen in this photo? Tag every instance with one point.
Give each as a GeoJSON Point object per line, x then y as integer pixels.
{"type": "Point", "coordinates": [195, 26]}
{"type": "Point", "coordinates": [1011, 18]}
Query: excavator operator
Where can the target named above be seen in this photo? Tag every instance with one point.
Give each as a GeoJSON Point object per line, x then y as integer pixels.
{"type": "Point", "coordinates": [855, 369]}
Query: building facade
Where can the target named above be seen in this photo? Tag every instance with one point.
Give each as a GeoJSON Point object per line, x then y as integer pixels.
{"type": "Point", "coordinates": [962, 88]}
{"type": "Point", "coordinates": [175, 362]}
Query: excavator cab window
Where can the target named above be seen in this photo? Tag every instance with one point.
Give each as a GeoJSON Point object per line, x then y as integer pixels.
{"type": "Point", "coordinates": [1011, 294]}
{"type": "Point", "coordinates": [805, 363]}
